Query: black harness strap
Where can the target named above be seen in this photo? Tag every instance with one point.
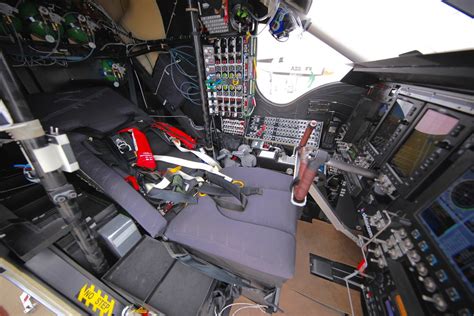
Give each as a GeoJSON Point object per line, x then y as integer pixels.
{"type": "Point", "coordinates": [172, 196]}
{"type": "Point", "coordinates": [231, 190]}
{"type": "Point", "coordinates": [215, 190]}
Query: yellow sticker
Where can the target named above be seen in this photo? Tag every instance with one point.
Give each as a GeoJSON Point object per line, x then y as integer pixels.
{"type": "Point", "coordinates": [93, 298]}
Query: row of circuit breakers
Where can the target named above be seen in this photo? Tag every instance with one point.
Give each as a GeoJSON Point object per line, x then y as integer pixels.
{"type": "Point", "coordinates": [273, 130]}
{"type": "Point", "coordinates": [230, 74]}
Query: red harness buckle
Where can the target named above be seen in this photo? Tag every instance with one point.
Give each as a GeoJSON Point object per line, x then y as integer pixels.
{"type": "Point", "coordinates": [143, 151]}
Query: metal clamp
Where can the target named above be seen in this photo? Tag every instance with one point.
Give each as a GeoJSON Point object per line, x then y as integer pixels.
{"type": "Point", "coordinates": [63, 194]}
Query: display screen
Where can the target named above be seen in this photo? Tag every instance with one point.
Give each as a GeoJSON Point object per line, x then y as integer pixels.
{"type": "Point", "coordinates": [432, 128]}
{"type": "Point", "coordinates": [450, 222]}
{"type": "Point", "coordinates": [383, 108]}
{"type": "Point", "coordinates": [398, 113]}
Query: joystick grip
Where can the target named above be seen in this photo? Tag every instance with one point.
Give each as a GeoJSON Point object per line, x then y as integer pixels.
{"type": "Point", "coordinates": [302, 188]}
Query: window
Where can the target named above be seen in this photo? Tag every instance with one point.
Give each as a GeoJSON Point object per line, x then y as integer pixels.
{"type": "Point", "coordinates": [287, 70]}
{"type": "Point", "coordinates": [377, 29]}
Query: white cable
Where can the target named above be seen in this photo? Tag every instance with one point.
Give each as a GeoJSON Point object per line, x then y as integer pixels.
{"type": "Point", "coordinates": [173, 13]}
{"type": "Point", "coordinates": [162, 75]}
{"type": "Point", "coordinates": [252, 307]}
{"type": "Point", "coordinates": [346, 279]}
{"type": "Point", "coordinates": [233, 304]}
{"type": "Point", "coordinates": [349, 295]}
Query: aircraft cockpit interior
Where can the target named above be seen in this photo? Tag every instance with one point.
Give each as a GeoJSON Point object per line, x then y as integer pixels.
{"type": "Point", "coordinates": [237, 157]}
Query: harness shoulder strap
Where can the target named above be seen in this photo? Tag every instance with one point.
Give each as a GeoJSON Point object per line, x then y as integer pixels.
{"type": "Point", "coordinates": [231, 189]}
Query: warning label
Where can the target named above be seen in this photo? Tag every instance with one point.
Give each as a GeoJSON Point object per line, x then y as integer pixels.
{"type": "Point", "coordinates": [94, 299]}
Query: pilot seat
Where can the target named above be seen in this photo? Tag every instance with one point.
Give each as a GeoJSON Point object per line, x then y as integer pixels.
{"type": "Point", "coordinates": [257, 244]}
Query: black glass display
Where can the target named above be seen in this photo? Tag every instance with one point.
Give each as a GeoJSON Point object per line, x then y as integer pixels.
{"type": "Point", "coordinates": [397, 114]}
{"type": "Point", "coordinates": [431, 129]}
{"type": "Point", "coordinates": [450, 222]}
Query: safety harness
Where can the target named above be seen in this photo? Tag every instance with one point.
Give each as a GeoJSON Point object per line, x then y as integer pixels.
{"type": "Point", "coordinates": [129, 150]}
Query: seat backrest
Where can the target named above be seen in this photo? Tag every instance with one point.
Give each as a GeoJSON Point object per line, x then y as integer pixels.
{"type": "Point", "coordinates": [99, 109]}
{"type": "Point", "coordinates": [103, 111]}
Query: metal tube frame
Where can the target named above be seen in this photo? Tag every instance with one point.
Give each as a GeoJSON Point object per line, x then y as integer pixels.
{"type": "Point", "coordinates": [58, 189]}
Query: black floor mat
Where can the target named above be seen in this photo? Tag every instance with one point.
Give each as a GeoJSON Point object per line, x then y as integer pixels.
{"type": "Point", "coordinates": [148, 275]}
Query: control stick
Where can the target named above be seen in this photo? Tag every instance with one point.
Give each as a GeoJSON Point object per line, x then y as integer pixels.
{"type": "Point", "coordinates": [301, 147]}
{"type": "Point", "coordinates": [311, 160]}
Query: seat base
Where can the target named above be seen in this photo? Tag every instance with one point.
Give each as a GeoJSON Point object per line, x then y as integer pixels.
{"type": "Point", "coordinates": [257, 244]}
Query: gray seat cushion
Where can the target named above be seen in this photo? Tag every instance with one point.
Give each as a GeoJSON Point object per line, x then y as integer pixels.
{"type": "Point", "coordinates": [258, 244]}
{"type": "Point", "coordinates": [273, 208]}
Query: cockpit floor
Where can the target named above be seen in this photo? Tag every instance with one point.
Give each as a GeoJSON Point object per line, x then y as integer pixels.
{"type": "Point", "coordinates": [307, 294]}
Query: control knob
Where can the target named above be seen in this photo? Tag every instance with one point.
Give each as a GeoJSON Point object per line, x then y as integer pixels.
{"type": "Point", "coordinates": [414, 256]}
{"type": "Point", "coordinates": [430, 284]}
{"type": "Point", "coordinates": [422, 269]}
{"type": "Point", "coordinates": [380, 262]}
{"type": "Point", "coordinates": [408, 243]}
{"type": "Point", "coordinates": [403, 233]}
{"type": "Point", "coordinates": [438, 301]}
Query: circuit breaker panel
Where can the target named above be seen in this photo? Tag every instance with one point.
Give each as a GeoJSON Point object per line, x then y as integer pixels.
{"type": "Point", "coordinates": [230, 75]}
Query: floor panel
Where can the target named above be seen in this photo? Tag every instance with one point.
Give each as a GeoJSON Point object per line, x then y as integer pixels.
{"type": "Point", "coordinates": [307, 294]}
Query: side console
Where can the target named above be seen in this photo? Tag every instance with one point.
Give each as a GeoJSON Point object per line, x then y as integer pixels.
{"type": "Point", "coordinates": [424, 263]}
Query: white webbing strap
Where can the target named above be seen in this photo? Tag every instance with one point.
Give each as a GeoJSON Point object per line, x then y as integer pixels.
{"type": "Point", "coordinates": [191, 165]}
{"type": "Point", "coordinates": [163, 184]}
{"type": "Point", "coordinates": [201, 155]}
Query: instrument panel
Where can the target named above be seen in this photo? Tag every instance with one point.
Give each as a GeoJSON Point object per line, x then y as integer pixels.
{"type": "Point", "coordinates": [392, 126]}
{"type": "Point", "coordinates": [435, 134]}
{"type": "Point", "coordinates": [449, 223]}
{"type": "Point", "coordinates": [421, 144]}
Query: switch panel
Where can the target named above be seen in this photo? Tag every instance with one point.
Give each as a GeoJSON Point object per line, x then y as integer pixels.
{"type": "Point", "coordinates": [282, 130]}
{"type": "Point", "coordinates": [234, 127]}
